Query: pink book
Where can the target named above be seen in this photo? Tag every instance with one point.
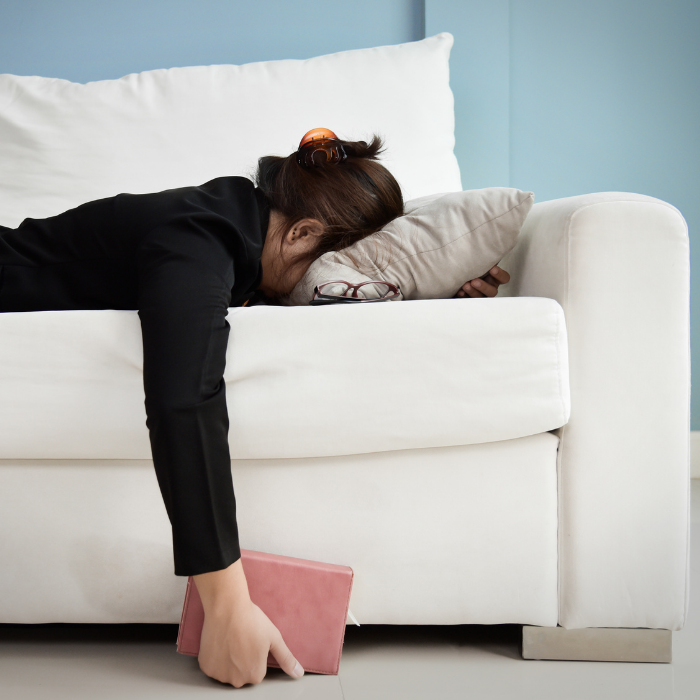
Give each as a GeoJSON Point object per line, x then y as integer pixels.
{"type": "Point", "coordinates": [306, 600]}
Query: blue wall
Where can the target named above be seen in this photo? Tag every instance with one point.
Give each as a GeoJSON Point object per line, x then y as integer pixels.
{"type": "Point", "coordinates": [565, 97]}
{"type": "Point", "coordinates": [561, 97]}
{"type": "Point", "coordinates": [83, 40]}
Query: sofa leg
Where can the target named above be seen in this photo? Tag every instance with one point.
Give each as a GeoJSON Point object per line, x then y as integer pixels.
{"type": "Point", "coordinates": [597, 644]}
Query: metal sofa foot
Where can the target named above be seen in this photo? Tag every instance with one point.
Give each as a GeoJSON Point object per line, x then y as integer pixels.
{"type": "Point", "coordinates": [597, 644]}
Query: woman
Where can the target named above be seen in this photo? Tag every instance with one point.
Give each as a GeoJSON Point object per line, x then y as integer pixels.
{"type": "Point", "coordinates": [182, 257]}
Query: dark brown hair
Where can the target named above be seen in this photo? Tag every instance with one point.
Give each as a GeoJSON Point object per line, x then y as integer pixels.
{"type": "Point", "coordinates": [352, 199]}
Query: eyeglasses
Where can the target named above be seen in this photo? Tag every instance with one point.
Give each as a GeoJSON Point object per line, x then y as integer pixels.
{"type": "Point", "coordinates": [342, 292]}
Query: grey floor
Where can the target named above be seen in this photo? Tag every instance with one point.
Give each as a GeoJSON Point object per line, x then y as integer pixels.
{"type": "Point", "coordinates": [139, 661]}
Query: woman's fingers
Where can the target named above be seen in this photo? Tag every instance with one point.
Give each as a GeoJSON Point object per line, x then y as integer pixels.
{"type": "Point", "coordinates": [486, 286]}
{"type": "Point", "coordinates": [499, 274]}
{"type": "Point", "coordinates": [468, 290]}
{"type": "Point", "coordinates": [482, 286]}
{"type": "Point", "coordinates": [284, 657]}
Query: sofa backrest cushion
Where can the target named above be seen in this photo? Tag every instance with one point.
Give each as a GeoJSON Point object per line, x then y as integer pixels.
{"type": "Point", "coordinates": [63, 143]}
{"type": "Point", "coordinates": [441, 242]}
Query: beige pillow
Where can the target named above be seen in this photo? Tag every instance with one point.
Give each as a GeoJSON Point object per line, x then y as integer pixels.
{"type": "Point", "coordinates": [441, 242]}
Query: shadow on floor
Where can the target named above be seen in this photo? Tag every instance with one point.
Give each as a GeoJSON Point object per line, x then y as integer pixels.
{"type": "Point", "coordinates": [502, 640]}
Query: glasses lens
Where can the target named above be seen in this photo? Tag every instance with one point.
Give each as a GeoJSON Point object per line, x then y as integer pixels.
{"type": "Point", "coordinates": [374, 290]}
{"type": "Point", "coordinates": [334, 289]}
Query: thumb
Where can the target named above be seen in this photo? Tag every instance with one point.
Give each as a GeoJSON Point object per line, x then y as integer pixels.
{"type": "Point", "coordinates": [285, 658]}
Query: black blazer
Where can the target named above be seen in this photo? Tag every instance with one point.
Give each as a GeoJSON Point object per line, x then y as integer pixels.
{"type": "Point", "coordinates": [95, 256]}
{"type": "Point", "coordinates": [180, 257]}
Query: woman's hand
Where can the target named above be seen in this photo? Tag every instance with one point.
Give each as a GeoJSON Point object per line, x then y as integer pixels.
{"type": "Point", "coordinates": [485, 286]}
{"type": "Point", "coordinates": [237, 635]}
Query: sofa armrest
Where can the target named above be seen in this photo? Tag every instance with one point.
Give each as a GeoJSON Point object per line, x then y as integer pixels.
{"type": "Point", "coordinates": [619, 265]}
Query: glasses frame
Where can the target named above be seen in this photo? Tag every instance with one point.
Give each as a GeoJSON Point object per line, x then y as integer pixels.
{"type": "Point", "coordinates": [321, 298]}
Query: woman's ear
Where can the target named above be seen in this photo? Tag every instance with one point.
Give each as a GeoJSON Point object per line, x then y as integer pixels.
{"type": "Point", "coordinates": [304, 233]}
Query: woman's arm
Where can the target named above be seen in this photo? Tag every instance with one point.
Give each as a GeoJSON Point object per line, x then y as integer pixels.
{"type": "Point", "coordinates": [183, 303]}
{"type": "Point", "coordinates": [182, 308]}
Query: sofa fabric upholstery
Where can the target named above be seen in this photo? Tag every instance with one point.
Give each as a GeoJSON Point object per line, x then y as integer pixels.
{"type": "Point", "coordinates": [448, 535]}
{"type": "Point", "coordinates": [300, 381]}
{"type": "Point", "coordinates": [624, 474]}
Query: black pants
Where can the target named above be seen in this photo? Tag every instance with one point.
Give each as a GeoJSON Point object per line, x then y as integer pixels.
{"type": "Point", "coordinates": [182, 304]}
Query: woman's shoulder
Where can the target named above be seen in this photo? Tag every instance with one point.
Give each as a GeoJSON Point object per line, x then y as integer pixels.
{"type": "Point", "coordinates": [234, 182]}
{"type": "Point", "coordinates": [232, 190]}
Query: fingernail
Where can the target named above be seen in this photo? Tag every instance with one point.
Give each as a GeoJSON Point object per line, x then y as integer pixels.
{"type": "Point", "coordinates": [476, 283]}
{"type": "Point", "coordinates": [495, 270]}
{"type": "Point", "coordinates": [298, 671]}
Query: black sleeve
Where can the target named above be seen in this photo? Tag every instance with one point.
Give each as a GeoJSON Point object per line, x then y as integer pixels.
{"type": "Point", "coordinates": [185, 285]}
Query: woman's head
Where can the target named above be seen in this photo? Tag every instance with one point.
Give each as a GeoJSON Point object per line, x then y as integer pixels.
{"type": "Point", "coordinates": [319, 209]}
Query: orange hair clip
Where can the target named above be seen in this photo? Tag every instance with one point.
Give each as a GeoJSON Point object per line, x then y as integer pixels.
{"type": "Point", "coordinates": [320, 141]}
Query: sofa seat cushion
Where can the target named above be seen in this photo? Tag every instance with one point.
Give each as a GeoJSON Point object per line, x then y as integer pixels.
{"type": "Point", "coordinates": [301, 381]}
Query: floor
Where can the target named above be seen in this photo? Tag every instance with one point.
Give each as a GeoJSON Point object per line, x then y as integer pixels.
{"type": "Point", "coordinates": [379, 662]}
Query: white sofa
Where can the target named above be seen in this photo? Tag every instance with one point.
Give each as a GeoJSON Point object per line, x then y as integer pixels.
{"type": "Point", "coordinates": [522, 459]}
